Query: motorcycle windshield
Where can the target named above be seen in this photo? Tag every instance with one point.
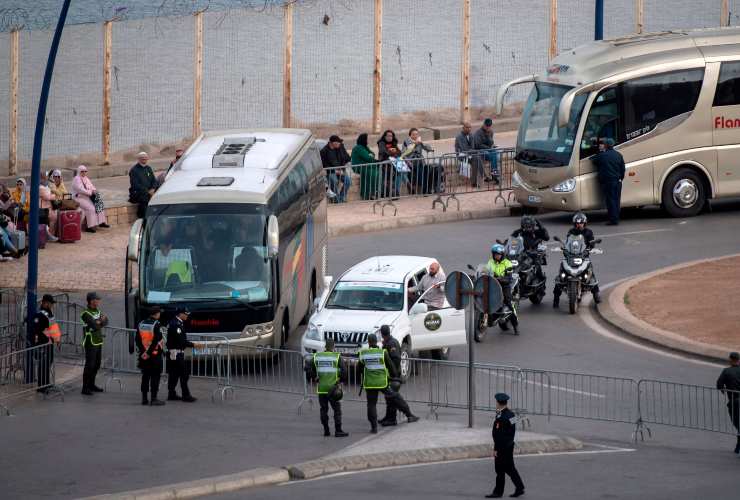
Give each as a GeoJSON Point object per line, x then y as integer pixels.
{"type": "Point", "coordinates": [575, 245]}
{"type": "Point", "coordinates": [514, 247]}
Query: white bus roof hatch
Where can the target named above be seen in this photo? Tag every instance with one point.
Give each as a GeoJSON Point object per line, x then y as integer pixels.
{"type": "Point", "coordinates": [232, 152]}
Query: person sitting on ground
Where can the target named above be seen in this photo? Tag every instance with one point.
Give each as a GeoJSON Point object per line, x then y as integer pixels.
{"type": "Point", "coordinates": [84, 192]}
{"type": "Point", "coordinates": [7, 250]}
{"type": "Point", "coordinates": [47, 202]}
{"type": "Point", "coordinates": [57, 185]}
{"type": "Point", "coordinates": [143, 184]}
{"type": "Point", "coordinates": [21, 199]}
{"type": "Point", "coordinates": [7, 203]}
{"type": "Point", "coordinates": [369, 178]}
{"type": "Point", "coordinates": [333, 158]}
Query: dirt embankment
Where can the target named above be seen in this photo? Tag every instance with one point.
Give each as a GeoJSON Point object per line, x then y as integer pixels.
{"type": "Point", "coordinates": [700, 302]}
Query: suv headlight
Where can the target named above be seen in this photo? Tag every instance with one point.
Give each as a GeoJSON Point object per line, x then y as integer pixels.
{"type": "Point", "coordinates": [312, 332]}
{"type": "Point", "coordinates": [566, 186]}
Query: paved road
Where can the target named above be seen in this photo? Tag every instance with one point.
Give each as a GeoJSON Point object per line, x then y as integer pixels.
{"type": "Point", "coordinates": [599, 472]}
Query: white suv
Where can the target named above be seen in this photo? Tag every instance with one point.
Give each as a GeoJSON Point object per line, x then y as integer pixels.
{"type": "Point", "coordinates": [374, 293]}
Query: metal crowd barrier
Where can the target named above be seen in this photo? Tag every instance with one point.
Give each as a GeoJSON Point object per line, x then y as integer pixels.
{"type": "Point", "coordinates": [445, 177]}
{"type": "Point", "coordinates": [11, 306]}
{"type": "Point", "coordinates": [686, 406]}
{"type": "Point", "coordinates": [17, 378]}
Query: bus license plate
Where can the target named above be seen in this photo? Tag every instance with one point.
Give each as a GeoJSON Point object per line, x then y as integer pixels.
{"type": "Point", "coordinates": [347, 350]}
{"type": "Point", "coordinates": [534, 199]}
{"type": "Point", "coordinates": [208, 351]}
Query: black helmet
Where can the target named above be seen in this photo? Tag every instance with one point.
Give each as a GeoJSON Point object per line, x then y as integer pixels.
{"type": "Point", "coordinates": [580, 218]}
{"type": "Point", "coordinates": [528, 223]}
{"type": "Point", "coordinates": [336, 393]}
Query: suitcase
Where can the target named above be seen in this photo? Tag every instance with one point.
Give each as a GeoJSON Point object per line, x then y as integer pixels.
{"type": "Point", "coordinates": [42, 235]}
{"type": "Point", "coordinates": [69, 226]}
{"type": "Point", "coordinates": [18, 239]}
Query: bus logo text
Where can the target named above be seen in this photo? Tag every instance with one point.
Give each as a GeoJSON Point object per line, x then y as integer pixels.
{"type": "Point", "coordinates": [722, 122]}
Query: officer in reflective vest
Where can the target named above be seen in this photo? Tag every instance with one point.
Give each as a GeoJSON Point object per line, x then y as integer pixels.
{"type": "Point", "coordinates": [94, 321]}
{"type": "Point", "coordinates": [45, 331]}
{"type": "Point", "coordinates": [149, 342]}
{"type": "Point", "coordinates": [328, 371]}
{"type": "Point", "coordinates": [376, 366]}
{"type": "Point", "coordinates": [503, 432]}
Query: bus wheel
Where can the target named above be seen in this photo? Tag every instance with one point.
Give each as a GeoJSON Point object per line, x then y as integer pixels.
{"type": "Point", "coordinates": [683, 193]}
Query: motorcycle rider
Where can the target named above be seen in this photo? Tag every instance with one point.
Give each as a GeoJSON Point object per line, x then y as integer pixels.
{"type": "Point", "coordinates": [532, 233]}
{"type": "Point", "coordinates": [502, 269]}
{"type": "Point", "coordinates": [579, 229]}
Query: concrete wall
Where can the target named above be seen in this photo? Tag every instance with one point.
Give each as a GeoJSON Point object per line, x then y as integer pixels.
{"type": "Point", "coordinates": [662, 15]}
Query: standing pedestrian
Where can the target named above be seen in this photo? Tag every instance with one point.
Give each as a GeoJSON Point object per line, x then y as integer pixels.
{"type": "Point", "coordinates": [610, 166]}
{"type": "Point", "coordinates": [143, 184]}
{"type": "Point", "coordinates": [504, 430]}
{"type": "Point", "coordinates": [177, 368]}
{"type": "Point", "coordinates": [376, 366]}
{"type": "Point", "coordinates": [483, 142]}
{"type": "Point", "coordinates": [328, 371]}
{"type": "Point", "coordinates": [393, 348]}
{"type": "Point", "coordinates": [149, 343]}
{"type": "Point", "coordinates": [729, 383]}
{"type": "Point", "coordinates": [45, 331]}
{"type": "Point", "coordinates": [94, 321]}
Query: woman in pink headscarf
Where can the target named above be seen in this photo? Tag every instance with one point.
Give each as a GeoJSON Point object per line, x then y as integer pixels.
{"type": "Point", "coordinates": [83, 190]}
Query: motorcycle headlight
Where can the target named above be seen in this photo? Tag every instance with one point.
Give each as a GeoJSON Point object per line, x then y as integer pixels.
{"type": "Point", "coordinates": [514, 263]}
{"type": "Point", "coordinates": [312, 332]}
{"type": "Point", "coordinates": [566, 186]}
{"type": "Point", "coordinates": [577, 261]}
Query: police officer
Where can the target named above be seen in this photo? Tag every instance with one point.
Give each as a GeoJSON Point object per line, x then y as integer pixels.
{"type": "Point", "coordinates": [94, 321]}
{"type": "Point", "coordinates": [149, 342]}
{"type": "Point", "coordinates": [579, 229]}
{"type": "Point", "coordinates": [729, 380]}
{"type": "Point", "coordinates": [376, 366]}
{"type": "Point", "coordinates": [328, 371]}
{"type": "Point", "coordinates": [611, 169]}
{"type": "Point", "coordinates": [502, 269]}
{"type": "Point", "coordinates": [45, 331]}
{"type": "Point", "coordinates": [504, 430]}
{"type": "Point", "coordinates": [393, 348]}
{"type": "Point", "coordinates": [177, 368]}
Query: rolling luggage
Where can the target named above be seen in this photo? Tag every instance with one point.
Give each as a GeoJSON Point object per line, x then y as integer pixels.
{"type": "Point", "coordinates": [43, 232]}
{"type": "Point", "coordinates": [69, 226]}
{"type": "Point", "coordinates": [18, 239]}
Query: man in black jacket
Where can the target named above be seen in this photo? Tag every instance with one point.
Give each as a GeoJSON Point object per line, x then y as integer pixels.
{"type": "Point", "coordinates": [504, 430]}
{"type": "Point", "coordinates": [611, 169]}
{"type": "Point", "coordinates": [729, 383]}
{"type": "Point", "coordinates": [393, 348]}
{"type": "Point", "coordinates": [149, 344]}
{"type": "Point", "coordinates": [177, 367]}
{"type": "Point", "coordinates": [333, 158]}
{"type": "Point", "coordinates": [143, 184]}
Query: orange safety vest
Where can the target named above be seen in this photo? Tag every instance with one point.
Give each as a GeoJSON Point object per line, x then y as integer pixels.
{"type": "Point", "coordinates": [54, 332]}
{"type": "Point", "coordinates": [146, 331]}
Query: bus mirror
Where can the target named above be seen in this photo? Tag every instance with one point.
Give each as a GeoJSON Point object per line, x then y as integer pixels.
{"type": "Point", "coordinates": [501, 93]}
{"type": "Point", "coordinates": [134, 240]}
{"type": "Point", "coordinates": [273, 237]}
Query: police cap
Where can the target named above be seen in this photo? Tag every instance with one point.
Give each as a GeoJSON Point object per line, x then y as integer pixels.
{"type": "Point", "coordinates": [92, 296]}
{"type": "Point", "coordinates": [182, 310]}
{"type": "Point", "coordinates": [502, 397]}
{"type": "Point", "coordinates": [734, 356]}
{"type": "Point", "coordinates": [48, 298]}
{"type": "Point", "coordinates": [385, 330]}
{"type": "Point", "coordinates": [372, 339]}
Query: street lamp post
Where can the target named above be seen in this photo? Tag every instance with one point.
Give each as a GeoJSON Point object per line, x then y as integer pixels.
{"type": "Point", "coordinates": [33, 217]}
{"type": "Point", "coordinates": [599, 20]}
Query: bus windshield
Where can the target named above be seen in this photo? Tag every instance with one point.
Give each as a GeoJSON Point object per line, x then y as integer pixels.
{"type": "Point", "coordinates": [205, 253]}
{"type": "Point", "coordinates": [541, 143]}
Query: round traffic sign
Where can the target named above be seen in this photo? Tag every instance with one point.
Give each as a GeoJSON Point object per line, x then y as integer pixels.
{"type": "Point", "coordinates": [489, 297]}
{"type": "Point", "coordinates": [456, 286]}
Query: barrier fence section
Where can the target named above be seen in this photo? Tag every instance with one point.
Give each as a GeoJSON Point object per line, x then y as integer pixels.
{"type": "Point", "coordinates": [444, 177]}
{"type": "Point", "coordinates": [18, 379]}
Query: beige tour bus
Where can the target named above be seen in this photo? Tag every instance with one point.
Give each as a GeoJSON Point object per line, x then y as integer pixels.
{"type": "Point", "coordinates": [670, 101]}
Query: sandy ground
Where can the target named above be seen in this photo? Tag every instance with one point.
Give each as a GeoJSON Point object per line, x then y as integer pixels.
{"type": "Point", "coordinates": [699, 302]}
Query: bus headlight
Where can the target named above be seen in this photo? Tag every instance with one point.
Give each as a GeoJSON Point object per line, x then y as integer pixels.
{"type": "Point", "coordinates": [312, 333]}
{"type": "Point", "coordinates": [516, 181]}
{"type": "Point", "coordinates": [567, 186]}
{"type": "Point", "coordinates": [258, 330]}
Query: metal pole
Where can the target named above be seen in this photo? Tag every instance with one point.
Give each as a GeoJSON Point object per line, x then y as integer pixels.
{"type": "Point", "coordinates": [599, 20]}
{"type": "Point", "coordinates": [33, 217]}
{"type": "Point", "coordinates": [470, 326]}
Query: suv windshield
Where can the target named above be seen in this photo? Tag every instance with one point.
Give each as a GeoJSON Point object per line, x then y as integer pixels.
{"type": "Point", "coordinates": [541, 143]}
{"type": "Point", "coordinates": [366, 296]}
{"type": "Point", "coordinates": [204, 254]}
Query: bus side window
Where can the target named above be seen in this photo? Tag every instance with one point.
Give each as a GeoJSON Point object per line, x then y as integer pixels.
{"type": "Point", "coordinates": [728, 85]}
{"type": "Point", "coordinates": [602, 121]}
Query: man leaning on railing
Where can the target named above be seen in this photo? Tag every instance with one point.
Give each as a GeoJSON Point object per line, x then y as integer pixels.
{"type": "Point", "coordinates": [729, 380]}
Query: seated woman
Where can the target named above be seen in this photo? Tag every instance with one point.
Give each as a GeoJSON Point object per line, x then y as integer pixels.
{"type": "Point", "coordinates": [21, 200]}
{"type": "Point", "coordinates": [91, 203]}
{"type": "Point", "coordinates": [47, 202]}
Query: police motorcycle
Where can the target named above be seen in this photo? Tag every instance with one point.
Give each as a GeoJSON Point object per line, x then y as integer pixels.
{"type": "Point", "coordinates": [576, 274]}
{"type": "Point", "coordinates": [528, 265]}
{"type": "Point", "coordinates": [505, 316]}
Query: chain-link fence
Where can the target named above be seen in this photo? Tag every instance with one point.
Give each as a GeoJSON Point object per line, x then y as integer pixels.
{"type": "Point", "coordinates": [179, 66]}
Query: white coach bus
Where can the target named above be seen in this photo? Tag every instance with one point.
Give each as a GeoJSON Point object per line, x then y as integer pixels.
{"type": "Point", "coordinates": [671, 103]}
{"type": "Point", "coordinates": [238, 234]}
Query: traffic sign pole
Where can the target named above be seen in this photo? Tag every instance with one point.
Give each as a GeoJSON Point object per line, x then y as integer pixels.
{"type": "Point", "coordinates": [470, 326]}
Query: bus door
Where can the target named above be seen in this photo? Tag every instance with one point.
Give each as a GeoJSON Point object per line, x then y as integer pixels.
{"type": "Point", "coordinates": [726, 128]}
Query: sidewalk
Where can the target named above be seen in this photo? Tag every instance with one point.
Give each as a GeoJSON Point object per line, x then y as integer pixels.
{"type": "Point", "coordinates": [660, 307]}
{"type": "Point", "coordinates": [130, 447]}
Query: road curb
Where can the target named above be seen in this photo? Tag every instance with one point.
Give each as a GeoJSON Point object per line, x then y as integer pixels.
{"type": "Point", "coordinates": [193, 489]}
{"type": "Point", "coordinates": [614, 311]}
{"type": "Point", "coordinates": [392, 222]}
{"type": "Point", "coordinates": [323, 467]}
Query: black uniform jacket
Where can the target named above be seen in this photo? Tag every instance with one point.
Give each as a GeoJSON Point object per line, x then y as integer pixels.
{"type": "Point", "coordinates": [504, 429]}
{"type": "Point", "coordinates": [729, 379]}
{"type": "Point", "coordinates": [610, 165]}
{"type": "Point", "coordinates": [176, 336]}
{"type": "Point", "coordinates": [587, 234]}
{"type": "Point", "coordinates": [154, 348]}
